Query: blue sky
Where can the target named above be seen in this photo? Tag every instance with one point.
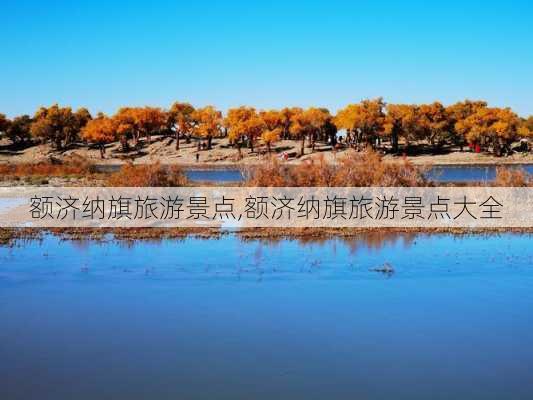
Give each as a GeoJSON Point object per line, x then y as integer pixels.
{"type": "Point", "coordinates": [265, 54]}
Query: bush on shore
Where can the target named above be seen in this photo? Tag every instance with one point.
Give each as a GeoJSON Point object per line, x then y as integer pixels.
{"type": "Point", "coordinates": [512, 177]}
{"type": "Point", "coordinates": [357, 169]}
{"type": "Point", "coordinates": [154, 175]}
{"type": "Point", "coordinates": [69, 166]}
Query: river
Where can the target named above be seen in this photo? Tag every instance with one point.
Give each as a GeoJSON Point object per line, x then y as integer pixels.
{"type": "Point", "coordinates": [232, 319]}
{"type": "Point", "coordinates": [439, 173]}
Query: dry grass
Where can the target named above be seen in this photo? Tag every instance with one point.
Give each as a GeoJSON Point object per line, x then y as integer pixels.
{"type": "Point", "coordinates": [71, 166]}
{"type": "Point", "coordinates": [373, 237]}
{"type": "Point", "coordinates": [147, 175]}
{"type": "Point", "coordinates": [351, 170]}
{"type": "Point", "coordinates": [9, 236]}
{"type": "Point", "coordinates": [512, 177]}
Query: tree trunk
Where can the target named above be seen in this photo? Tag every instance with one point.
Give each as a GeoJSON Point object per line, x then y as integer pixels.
{"type": "Point", "coordinates": [394, 140]}
{"type": "Point", "coordinates": [302, 148]}
{"type": "Point", "coordinates": [238, 144]}
{"type": "Point", "coordinates": [333, 139]}
{"type": "Point", "coordinates": [124, 143]}
{"type": "Point", "coordinates": [58, 143]}
{"type": "Point", "coordinates": [68, 139]}
{"type": "Point", "coordinates": [102, 150]}
{"type": "Point", "coordinates": [177, 139]}
{"type": "Point", "coordinates": [269, 148]}
{"type": "Point", "coordinates": [209, 141]}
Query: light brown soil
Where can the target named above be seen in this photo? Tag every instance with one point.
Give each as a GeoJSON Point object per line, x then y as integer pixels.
{"type": "Point", "coordinates": [222, 155]}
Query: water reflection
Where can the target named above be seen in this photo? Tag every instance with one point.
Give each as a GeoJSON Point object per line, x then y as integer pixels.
{"type": "Point", "coordinates": [230, 255]}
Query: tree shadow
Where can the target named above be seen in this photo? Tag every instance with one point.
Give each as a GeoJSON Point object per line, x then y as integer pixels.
{"type": "Point", "coordinates": [15, 148]}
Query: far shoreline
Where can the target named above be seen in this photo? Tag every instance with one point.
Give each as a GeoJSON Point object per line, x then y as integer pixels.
{"type": "Point", "coordinates": [224, 157]}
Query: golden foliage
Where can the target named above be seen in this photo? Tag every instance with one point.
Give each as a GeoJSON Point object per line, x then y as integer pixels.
{"type": "Point", "coordinates": [244, 122]}
{"type": "Point", "coordinates": [270, 136]}
{"type": "Point", "coordinates": [366, 118]}
{"type": "Point", "coordinates": [272, 118]}
{"type": "Point", "coordinates": [58, 124]}
{"type": "Point", "coordinates": [100, 130]}
{"type": "Point", "coordinates": [136, 122]}
{"type": "Point", "coordinates": [525, 130]}
{"type": "Point", "coordinates": [488, 125]}
{"type": "Point", "coordinates": [370, 121]}
{"type": "Point", "coordinates": [208, 122]}
{"type": "Point", "coordinates": [180, 118]}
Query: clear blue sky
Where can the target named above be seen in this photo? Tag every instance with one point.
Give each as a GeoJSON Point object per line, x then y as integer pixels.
{"type": "Point", "coordinates": [104, 54]}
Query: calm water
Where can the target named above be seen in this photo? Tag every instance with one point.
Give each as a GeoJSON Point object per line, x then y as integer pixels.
{"type": "Point", "coordinates": [226, 319]}
{"type": "Point", "coordinates": [226, 175]}
{"type": "Point", "coordinates": [469, 173]}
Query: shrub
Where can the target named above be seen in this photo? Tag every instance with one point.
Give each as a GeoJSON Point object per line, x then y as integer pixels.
{"type": "Point", "coordinates": [512, 177]}
{"type": "Point", "coordinates": [353, 169]}
{"type": "Point", "coordinates": [73, 165]}
{"type": "Point", "coordinates": [155, 175]}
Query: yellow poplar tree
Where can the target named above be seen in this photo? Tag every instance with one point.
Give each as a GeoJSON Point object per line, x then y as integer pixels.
{"type": "Point", "coordinates": [274, 122]}
{"type": "Point", "coordinates": [58, 125]}
{"type": "Point", "coordinates": [208, 123]}
{"type": "Point", "coordinates": [496, 127]}
{"type": "Point", "coordinates": [101, 130]}
{"type": "Point", "coordinates": [402, 120]}
{"type": "Point", "coordinates": [363, 121]}
{"type": "Point", "coordinates": [244, 122]}
{"type": "Point", "coordinates": [180, 118]}
{"type": "Point", "coordinates": [434, 122]}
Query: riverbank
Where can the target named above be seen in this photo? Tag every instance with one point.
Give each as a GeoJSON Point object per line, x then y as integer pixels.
{"type": "Point", "coordinates": [9, 236]}
{"type": "Point", "coordinates": [99, 174]}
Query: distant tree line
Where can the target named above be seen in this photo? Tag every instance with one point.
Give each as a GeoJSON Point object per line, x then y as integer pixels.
{"type": "Point", "coordinates": [374, 123]}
